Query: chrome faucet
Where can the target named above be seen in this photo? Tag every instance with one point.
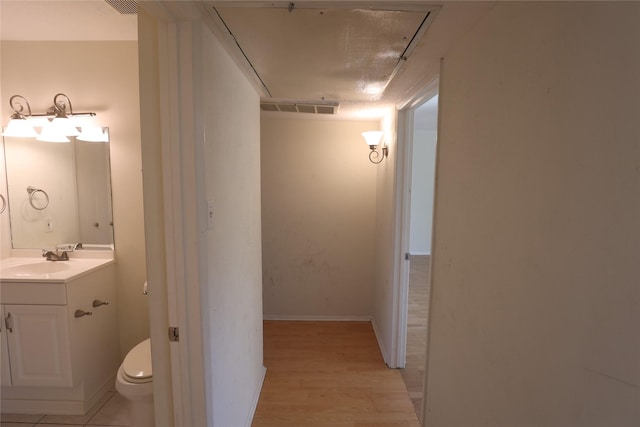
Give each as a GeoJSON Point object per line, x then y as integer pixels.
{"type": "Point", "coordinates": [55, 256]}
{"type": "Point", "coordinates": [69, 246]}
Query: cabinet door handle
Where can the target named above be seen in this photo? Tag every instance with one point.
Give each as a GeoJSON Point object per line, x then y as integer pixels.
{"type": "Point", "coordinates": [8, 323]}
{"type": "Point", "coordinates": [80, 313]}
{"type": "Point", "coordinates": [98, 303]}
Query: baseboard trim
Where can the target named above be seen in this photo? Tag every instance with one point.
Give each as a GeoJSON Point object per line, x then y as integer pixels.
{"type": "Point", "coordinates": [56, 404]}
{"type": "Point", "coordinates": [256, 398]}
{"type": "Point", "coordinates": [383, 349]}
{"type": "Point", "coordinates": [51, 407]}
{"type": "Point", "coordinates": [299, 318]}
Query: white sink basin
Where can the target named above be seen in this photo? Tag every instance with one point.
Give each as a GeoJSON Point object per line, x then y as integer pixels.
{"type": "Point", "coordinates": [37, 268]}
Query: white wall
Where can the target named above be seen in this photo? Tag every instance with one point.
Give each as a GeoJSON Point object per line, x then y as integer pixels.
{"type": "Point", "coordinates": [231, 120]}
{"type": "Point", "coordinates": [318, 218]}
{"type": "Point", "coordinates": [535, 292]}
{"type": "Point", "coordinates": [100, 77]}
{"type": "Point", "coordinates": [422, 182]}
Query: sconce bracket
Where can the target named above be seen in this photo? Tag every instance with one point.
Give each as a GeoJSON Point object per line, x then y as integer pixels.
{"type": "Point", "coordinates": [376, 156]}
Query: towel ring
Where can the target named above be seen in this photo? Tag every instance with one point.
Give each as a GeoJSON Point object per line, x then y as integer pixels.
{"type": "Point", "coordinates": [32, 192]}
{"type": "Point", "coordinates": [4, 204]}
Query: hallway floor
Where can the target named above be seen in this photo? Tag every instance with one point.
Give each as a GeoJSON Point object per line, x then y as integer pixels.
{"type": "Point", "coordinates": [319, 374]}
{"type": "Point", "coordinates": [112, 410]}
{"type": "Point", "coordinates": [413, 373]}
{"type": "Point", "coordinates": [329, 374]}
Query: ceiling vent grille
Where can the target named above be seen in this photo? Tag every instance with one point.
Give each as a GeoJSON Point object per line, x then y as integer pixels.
{"type": "Point", "coordinates": [300, 107]}
{"type": "Point", "coordinates": [124, 7]}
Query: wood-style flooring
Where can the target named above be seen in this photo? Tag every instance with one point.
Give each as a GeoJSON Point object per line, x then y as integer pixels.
{"type": "Point", "coordinates": [413, 373]}
{"type": "Point", "coordinates": [329, 374]}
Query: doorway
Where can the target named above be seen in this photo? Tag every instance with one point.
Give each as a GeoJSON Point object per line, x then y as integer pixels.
{"type": "Point", "coordinates": [421, 139]}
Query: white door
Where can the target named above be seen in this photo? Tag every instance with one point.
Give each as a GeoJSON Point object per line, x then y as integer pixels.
{"type": "Point", "coordinates": [38, 338]}
{"type": "Point", "coordinates": [4, 352]}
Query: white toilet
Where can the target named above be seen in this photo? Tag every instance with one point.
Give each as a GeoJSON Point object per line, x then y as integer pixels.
{"type": "Point", "coordinates": [134, 383]}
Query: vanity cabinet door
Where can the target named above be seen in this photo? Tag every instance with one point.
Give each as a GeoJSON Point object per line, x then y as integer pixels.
{"type": "Point", "coordinates": [38, 345]}
{"type": "Point", "coordinates": [4, 352]}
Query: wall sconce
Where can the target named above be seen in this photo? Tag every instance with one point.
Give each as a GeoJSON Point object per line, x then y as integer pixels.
{"type": "Point", "coordinates": [373, 139]}
{"type": "Point", "coordinates": [57, 123]}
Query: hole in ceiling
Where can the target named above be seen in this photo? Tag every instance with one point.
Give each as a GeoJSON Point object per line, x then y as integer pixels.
{"type": "Point", "coordinates": [124, 7]}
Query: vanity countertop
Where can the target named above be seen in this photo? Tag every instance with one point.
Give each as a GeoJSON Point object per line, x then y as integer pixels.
{"type": "Point", "coordinates": [32, 269]}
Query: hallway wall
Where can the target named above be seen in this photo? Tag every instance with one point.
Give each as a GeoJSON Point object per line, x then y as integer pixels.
{"type": "Point", "coordinates": [233, 305]}
{"type": "Point", "coordinates": [318, 218]}
{"type": "Point", "coordinates": [535, 294]}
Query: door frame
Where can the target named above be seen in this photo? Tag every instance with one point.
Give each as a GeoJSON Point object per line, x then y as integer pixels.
{"type": "Point", "coordinates": [175, 211]}
{"type": "Point", "coordinates": [402, 213]}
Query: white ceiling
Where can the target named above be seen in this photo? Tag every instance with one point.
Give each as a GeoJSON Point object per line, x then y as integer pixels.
{"type": "Point", "coordinates": [338, 54]}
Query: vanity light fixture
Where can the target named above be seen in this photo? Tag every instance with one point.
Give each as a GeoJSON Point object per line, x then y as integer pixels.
{"type": "Point", "coordinates": [58, 121]}
{"type": "Point", "coordinates": [91, 131]}
{"type": "Point", "coordinates": [93, 134]}
{"type": "Point", "coordinates": [50, 133]}
{"type": "Point", "coordinates": [373, 139]}
{"type": "Point", "coordinates": [19, 125]}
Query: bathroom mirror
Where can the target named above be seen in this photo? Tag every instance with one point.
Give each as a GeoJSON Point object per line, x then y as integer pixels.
{"type": "Point", "coordinates": [59, 193]}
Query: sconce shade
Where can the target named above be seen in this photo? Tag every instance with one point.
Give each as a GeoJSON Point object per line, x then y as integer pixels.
{"type": "Point", "coordinates": [373, 138]}
{"type": "Point", "coordinates": [63, 126]}
{"type": "Point", "coordinates": [20, 128]}
{"type": "Point", "coordinates": [50, 134]}
{"type": "Point", "coordinates": [92, 134]}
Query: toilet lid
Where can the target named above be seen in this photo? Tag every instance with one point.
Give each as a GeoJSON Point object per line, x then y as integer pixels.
{"type": "Point", "coordinates": [137, 365]}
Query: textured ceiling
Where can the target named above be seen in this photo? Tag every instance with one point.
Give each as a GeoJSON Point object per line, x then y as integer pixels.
{"type": "Point", "coordinates": [339, 54]}
{"type": "Point", "coordinates": [322, 53]}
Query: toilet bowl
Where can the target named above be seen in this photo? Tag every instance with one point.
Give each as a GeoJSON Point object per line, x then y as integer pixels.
{"type": "Point", "coordinates": [134, 383]}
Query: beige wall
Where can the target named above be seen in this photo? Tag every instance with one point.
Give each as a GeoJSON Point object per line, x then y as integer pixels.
{"type": "Point", "coordinates": [385, 296]}
{"type": "Point", "coordinates": [534, 315]}
{"type": "Point", "coordinates": [318, 218]}
{"type": "Point", "coordinates": [100, 77]}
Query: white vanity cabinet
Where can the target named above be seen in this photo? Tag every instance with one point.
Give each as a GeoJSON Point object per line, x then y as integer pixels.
{"type": "Point", "coordinates": [38, 343]}
{"type": "Point", "coordinates": [5, 369]}
{"type": "Point", "coordinates": [60, 344]}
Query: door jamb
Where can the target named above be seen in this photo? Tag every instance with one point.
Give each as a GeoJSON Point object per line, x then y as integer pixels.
{"type": "Point", "coordinates": [178, 269]}
{"type": "Point", "coordinates": [402, 215]}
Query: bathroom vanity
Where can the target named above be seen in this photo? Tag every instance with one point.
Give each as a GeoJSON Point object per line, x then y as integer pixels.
{"type": "Point", "coordinates": [59, 332]}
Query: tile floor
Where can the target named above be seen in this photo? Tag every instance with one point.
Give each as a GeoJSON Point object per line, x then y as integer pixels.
{"type": "Point", "coordinates": [112, 410]}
